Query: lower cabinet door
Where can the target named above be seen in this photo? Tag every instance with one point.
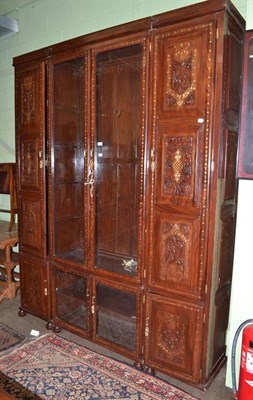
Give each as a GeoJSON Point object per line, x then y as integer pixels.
{"type": "Point", "coordinates": [116, 310]}
{"type": "Point", "coordinates": [173, 337]}
{"type": "Point", "coordinates": [34, 286]}
{"type": "Point", "coordinates": [70, 298]}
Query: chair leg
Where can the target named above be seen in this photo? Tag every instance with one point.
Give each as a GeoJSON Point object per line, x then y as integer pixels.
{"type": "Point", "coordinates": [12, 220]}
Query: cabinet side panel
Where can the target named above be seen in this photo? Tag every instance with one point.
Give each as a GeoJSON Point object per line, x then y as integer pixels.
{"type": "Point", "coordinates": [226, 195]}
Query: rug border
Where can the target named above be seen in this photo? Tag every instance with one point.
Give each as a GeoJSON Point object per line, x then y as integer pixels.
{"type": "Point", "coordinates": [80, 347]}
{"type": "Point", "coordinates": [9, 349]}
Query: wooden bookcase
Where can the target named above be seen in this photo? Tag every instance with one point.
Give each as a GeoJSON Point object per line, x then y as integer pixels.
{"type": "Point", "coordinates": [127, 148]}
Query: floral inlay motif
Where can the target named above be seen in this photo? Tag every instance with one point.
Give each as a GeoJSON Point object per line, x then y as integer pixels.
{"type": "Point", "coordinates": [175, 250]}
{"type": "Point", "coordinates": [29, 163]}
{"type": "Point", "coordinates": [28, 100]}
{"type": "Point", "coordinates": [178, 159]}
{"type": "Point", "coordinates": [171, 338]}
{"type": "Point", "coordinates": [181, 75]}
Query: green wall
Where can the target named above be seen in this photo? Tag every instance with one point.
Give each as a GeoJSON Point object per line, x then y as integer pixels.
{"type": "Point", "coordinates": [45, 22]}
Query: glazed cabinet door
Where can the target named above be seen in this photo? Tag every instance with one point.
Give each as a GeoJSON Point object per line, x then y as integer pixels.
{"type": "Point", "coordinates": [70, 300]}
{"type": "Point", "coordinates": [179, 158]}
{"type": "Point", "coordinates": [30, 141]}
{"type": "Point", "coordinates": [67, 123]}
{"type": "Point", "coordinates": [117, 175]}
{"type": "Point", "coordinates": [173, 334]}
{"type": "Point", "coordinates": [117, 317]}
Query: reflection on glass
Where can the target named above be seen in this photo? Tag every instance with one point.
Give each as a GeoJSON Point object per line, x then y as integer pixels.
{"type": "Point", "coordinates": [71, 298]}
{"type": "Point", "coordinates": [67, 160]}
{"type": "Point", "coordinates": [117, 158]}
{"type": "Point", "coordinates": [116, 316]}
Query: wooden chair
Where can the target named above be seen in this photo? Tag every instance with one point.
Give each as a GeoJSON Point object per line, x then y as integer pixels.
{"type": "Point", "coordinates": [8, 186]}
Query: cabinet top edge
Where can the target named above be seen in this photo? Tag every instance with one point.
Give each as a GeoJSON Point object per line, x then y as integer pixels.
{"type": "Point", "coordinates": [141, 26]}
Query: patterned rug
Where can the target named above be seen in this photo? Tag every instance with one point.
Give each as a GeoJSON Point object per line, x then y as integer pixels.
{"type": "Point", "coordinates": [53, 368]}
{"type": "Point", "coordinates": [9, 338]}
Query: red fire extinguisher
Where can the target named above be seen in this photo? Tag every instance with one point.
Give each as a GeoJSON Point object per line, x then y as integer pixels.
{"type": "Point", "coordinates": [245, 390]}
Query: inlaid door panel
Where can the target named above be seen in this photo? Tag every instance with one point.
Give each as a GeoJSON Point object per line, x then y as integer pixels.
{"type": "Point", "coordinates": [34, 286]}
{"type": "Point", "coordinates": [176, 254]}
{"type": "Point", "coordinates": [29, 89]}
{"type": "Point", "coordinates": [183, 62]}
{"type": "Point", "coordinates": [30, 177]}
{"type": "Point", "coordinates": [179, 165]}
{"type": "Point", "coordinates": [173, 336]}
{"type": "Point", "coordinates": [32, 227]}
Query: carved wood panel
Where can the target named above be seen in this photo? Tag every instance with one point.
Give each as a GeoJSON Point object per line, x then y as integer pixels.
{"type": "Point", "coordinates": [173, 336]}
{"type": "Point", "coordinates": [176, 266]}
{"type": "Point", "coordinates": [28, 101]}
{"type": "Point", "coordinates": [34, 286]}
{"type": "Point", "coordinates": [183, 64]}
{"type": "Point", "coordinates": [29, 164]}
{"type": "Point", "coordinates": [179, 164]}
{"type": "Point", "coordinates": [32, 226]}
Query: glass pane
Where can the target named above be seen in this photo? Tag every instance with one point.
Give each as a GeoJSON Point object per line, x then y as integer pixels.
{"type": "Point", "coordinates": [67, 164]}
{"type": "Point", "coordinates": [117, 159]}
{"type": "Point", "coordinates": [116, 316]}
{"type": "Point", "coordinates": [71, 298]}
